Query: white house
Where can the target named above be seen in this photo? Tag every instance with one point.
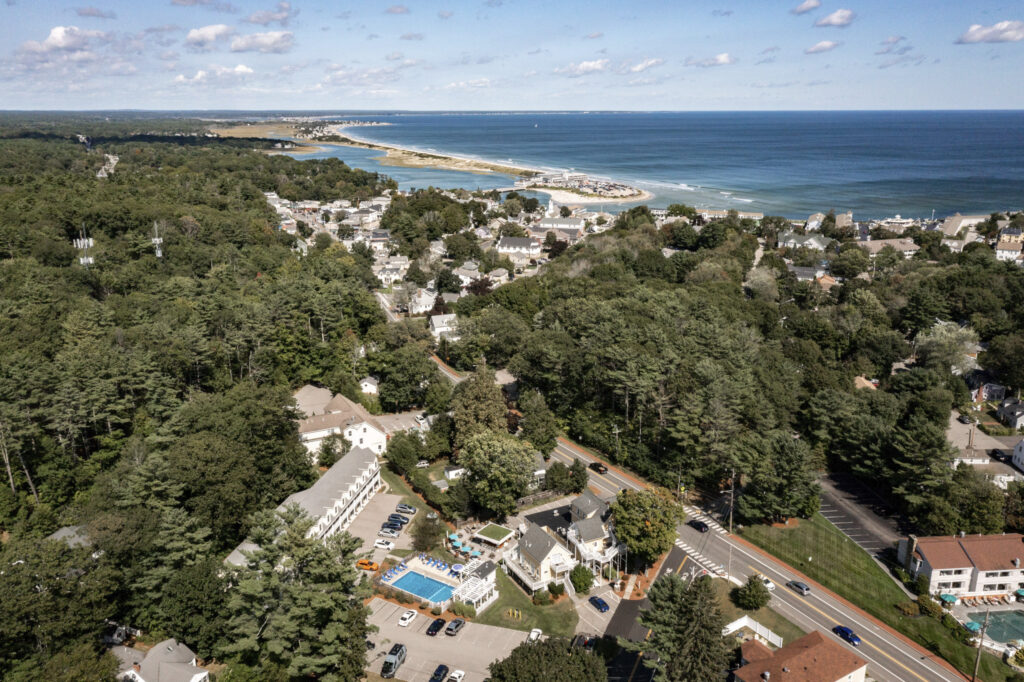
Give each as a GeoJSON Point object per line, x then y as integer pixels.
{"type": "Point", "coordinates": [368, 385]}
{"type": "Point", "coordinates": [538, 559]}
{"type": "Point", "coordinates": [792, 240]}
{"type": "Point", "coordinates": [1011, 411]}
{"type": "Point", "coordinates": [334, 500]}
{"type": "Point", "coordinates": [1008, 250]}
{"type": "Point", "coordinates": [168, 661]}
{"type": "Point", "coordinates": [814, 221]}
{"type": "Point", "coordinates": [341, 416]}
{"type": "Point", "coordinates": [520, 250]}
{"type": "Point", "coordinates": [902, 245]}
{"type": "Point", "coordinates": [966, 565]}
{"type": "Point", "coordinates": [952, 225]}
{"type": "Point", "coordinates": [422, 302]}
{"type": "Point", "coordinates": [444, 327]}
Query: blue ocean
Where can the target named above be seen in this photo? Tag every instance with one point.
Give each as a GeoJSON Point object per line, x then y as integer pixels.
{"type": "Point", "coordinates": [875, 164]}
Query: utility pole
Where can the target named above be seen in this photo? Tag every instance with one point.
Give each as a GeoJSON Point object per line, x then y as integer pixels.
{"type": "Point", "coordinates": [732, 497]}
{"type": "Point", "coordinates": [981, 639]}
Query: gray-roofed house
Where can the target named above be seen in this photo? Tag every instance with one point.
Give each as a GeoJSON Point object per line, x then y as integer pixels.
{"type": "Point", "coordinates": [594, 544]}
{"type": "Point", "coordinates": [587, 506]}
{"type": "Point", "coordinates": [168, 661]}
{"type": "Point", "coordinates": [1011, 411]}
{"type": "Point", "coordinates": [902, 245]}
{"type": "Point", "coordinates": [345, 417]}
{"type": "Point", "coordinates": [792, 240]}
{"type": "Point", "coordinates": [312, 400]}
{"type": "Point", "coordinates": [334, 500]}
{"type": "Point", "coordinates": [538, 559]}
{"type": "Point", "coordinates": [519, 249]}
{"type": "Point", "coordinates": [368, 385]}
{"type": "Point", "coordinates": [444, 327]}
{"type": "Point", "coordinates": [806, 274]}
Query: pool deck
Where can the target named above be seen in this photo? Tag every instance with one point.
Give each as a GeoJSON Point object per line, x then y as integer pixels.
{"type": "Point", "coordinates": [976, 612]}
{"type": "Point", "coordinates": [415, 564]}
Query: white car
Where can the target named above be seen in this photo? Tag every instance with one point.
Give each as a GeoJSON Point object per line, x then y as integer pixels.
{"type": "Point", "coordinates": [535, 635]}
{"type": "Point", "coordinates": [457, 676]}
{"type": "Point", "coordinates": [384, 544]}
{"type": "Point", "coordinates": [387, 533]}
{"type": "Point", "coordinates": [422, 464]}
{"type": "Point", "coordinates": [406, 618]}
{"type": "Point", "coordinates": [768, 583]}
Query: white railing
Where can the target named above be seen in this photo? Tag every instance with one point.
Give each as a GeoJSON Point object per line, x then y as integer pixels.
{"type": "Point", "coordinates": [755, 627]}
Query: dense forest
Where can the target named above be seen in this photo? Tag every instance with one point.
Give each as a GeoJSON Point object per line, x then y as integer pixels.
{"type": "Point", "coordinates": [147, 399]}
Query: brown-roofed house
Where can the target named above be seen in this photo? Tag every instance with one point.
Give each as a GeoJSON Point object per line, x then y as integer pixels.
{"type": "Point", "coordinates": [972, 565]}
{"type": "Point", "coordinates": [812, 658]}
{"type": "Point", "coordinates": [339, 415]}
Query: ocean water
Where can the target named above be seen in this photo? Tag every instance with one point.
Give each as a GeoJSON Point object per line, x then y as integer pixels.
{"type": "Point", "coordinates": [875, 164]}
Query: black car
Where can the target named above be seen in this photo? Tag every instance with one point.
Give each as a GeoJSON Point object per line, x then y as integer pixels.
{"type": "Point", "coordinates": [435, 627]}
{"type": "Point", "coordinates": [440, 674]}
{"type": "Point", "coordinates": [454, 627]}
{"type": "Point", "coordinates": [964, 419]}
{"type": "Point", "coordinates": [391, 525]}
{"type": "Point", "coordinates": [398, 518]}
{"type": "Point", "coordinates": [697, 524]}
{"type": "Point", "coordinates": [584, 642]}
{"type": "Point", "coordinates": [599, 467]}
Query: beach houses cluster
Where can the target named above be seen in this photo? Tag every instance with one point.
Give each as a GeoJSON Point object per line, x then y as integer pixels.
{"type": "Point", "coordinates": [361, 221]}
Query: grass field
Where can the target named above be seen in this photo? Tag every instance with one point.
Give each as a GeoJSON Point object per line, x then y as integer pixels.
{"type": "Point", "coordinates": [495, 532]}
{"type": "Point", "coordinates": [766, 617]}
{"type": "Point", "coordinates": [822, 552]}
{"type": "Point", "coordinates": [555, 619]}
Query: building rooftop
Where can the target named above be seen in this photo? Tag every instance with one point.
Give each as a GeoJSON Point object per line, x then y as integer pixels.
{"type": "Point", "coordinates": [984, 552]}
{"type": "Point", "coordinates": [322, 495]}
{"type": "Point", "coordinates": [536, 543]}
{"type": "Point", "coordinates": [812, 658]}
{"type": "Point", "coordinates": [590, 529]}
{"type": "Point", "coordinates": [312, 399]}
{"type": "Point", "coordinates": [339, 413]}
{"type": "Point", "coordinates": [516, 243]}
{"type": "Point", "coordinates": [588, 504]}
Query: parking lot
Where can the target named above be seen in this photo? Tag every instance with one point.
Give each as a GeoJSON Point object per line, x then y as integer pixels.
{"type": "Point", "coordinates": [369, 520]}
{"type": "Point", "coordinates": [472, 650]}
{"type": "Point", "coordinates": [592, 621]}
{"type": "Point", "coordinates": [401, 421]}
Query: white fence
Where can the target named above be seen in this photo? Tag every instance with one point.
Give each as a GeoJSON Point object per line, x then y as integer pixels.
{"type": "Point", "coordinates": [755, 627]}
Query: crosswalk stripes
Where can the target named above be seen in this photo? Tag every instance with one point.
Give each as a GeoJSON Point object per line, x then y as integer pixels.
{"type": "Point", "coordinates": [700, 559]}
{"type": "Point", "coordinates": [695, 513]}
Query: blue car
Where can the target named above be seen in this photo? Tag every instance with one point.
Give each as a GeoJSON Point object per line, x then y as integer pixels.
{"type": "Point", "coordinates": [440, 674]}
{"type": "Point", "coordinates": [599, 604]}
{"type": "Point", "coordinates": [847, 634]}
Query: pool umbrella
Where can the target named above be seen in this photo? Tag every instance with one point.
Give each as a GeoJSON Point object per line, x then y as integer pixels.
{"type": "Point", "coordinates": [453, 536]}
{"type": "Point", "coordinates": [456, 543]}
{"type": "Point", "coordinates": [948, 598]}
{"type": "Point", "coordinates": [474, 553]}
{"type": "Point", "coordinates": [972, 626]}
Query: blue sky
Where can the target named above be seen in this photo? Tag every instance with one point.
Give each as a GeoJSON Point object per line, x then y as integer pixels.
{"type": "Point", "coordinates": [511, 54]}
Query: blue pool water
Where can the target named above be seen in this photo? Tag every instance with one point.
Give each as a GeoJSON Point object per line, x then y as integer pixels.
{"type": "Point", "coordinates": [1003, 626]}
{"type": "Point", "coordinates": [424, 587]}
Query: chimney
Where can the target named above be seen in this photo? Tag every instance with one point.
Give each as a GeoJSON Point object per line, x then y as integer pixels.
{"type": "Point", "coordinates": [766, 675]}
{"type": "Point", "coordinates": [1016, 562]}
{"type": "Point", "coordinates": [962, 533]}
{"type": "Point", "coordinates": [911, 548]}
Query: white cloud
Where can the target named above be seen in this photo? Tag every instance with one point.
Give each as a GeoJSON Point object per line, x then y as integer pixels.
{"type": "Point", "coordinates": [445, 14]}
{"type": "Point", "coordinates": [823, 46]}
{"type": "Point", "coordinates": [593, 36]}
{"type": "Point", "coordinates": [212, 4]}
{"type": "Point", "coordinates": [723, 59]}
{"type": "Point", "coordinates": [169, 55]}
{"type": "Point", "coordinates": [646, 64]}
{"type": "Point", "coordinates": [282, 16]}
{"type": "Point", "coordinates": [394, 56]}
{"type": "Point", "coordinates": [1003, 32]}
{"type": "Point", "coordinates": [63, 39]}
{"type": "Point", "coordinates": [397, 9]}
{"type": "Point", "coordinates": [575, 70]}
{"type": "Point", "coordinates": [218, 74]}
{"type": "Point", "coordinates": [271, 41]}
{"type": "Point", "coordinates": [839, 19]}
{"type": "Point", "coordinates": [469, 85]}
{"type": "Point", "coordinates": [806, 6]}
{"type": "Point", "coordinates": [206, 38]}
{"type": "Point", "coordinates": [95, 13]}
{"type": "Point", "coordinates": [411, 36]}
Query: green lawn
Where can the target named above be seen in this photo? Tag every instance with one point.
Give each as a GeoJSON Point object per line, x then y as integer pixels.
{"type": "Point", "coordinates": [400, 487]}
{"type": "Point", "coordinates": [494, 532]}
{"type": "Point", "coordinates": [554, 619]}
{"type": "Point", "coordinates": [822, 552]}
{"type": "Point", "coordinates": [436, 469]}
{"type": "Point", "coordinates": [766, 617]}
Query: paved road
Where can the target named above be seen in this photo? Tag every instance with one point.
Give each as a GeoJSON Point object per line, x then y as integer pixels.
{"type": "Point", "coordinates": [889, 657]}
{"type": "Point", "coordinates": [385, 305]}
{"type": "Point", "coordinates": [447, 371]}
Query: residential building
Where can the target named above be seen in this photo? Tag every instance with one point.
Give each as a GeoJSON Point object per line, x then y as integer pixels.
{"type": "Point", "coordinates": [422, 302]}
{"type": "Point", "coordinates": [168, 661]}
{"type": "Point", "coordinates": [952, 225]}
{"type": "Point", "coordinates": [538, 559]}
{"type": "Point", "coordinates": [479, 585]}
{"type": "Point", "coordinates": [467, 273]}
{"type": "Point", "coordinates": [334, 500]}
{"type": "Point", "coordinates": [1011, 411]}
{"type": "Point", "coordinates": [520, 250]}
{"type": "Point", "coordinates": [812, 658]}
{"type": "Point", "coordinates": [1010, 233]}
{"type": "Point", "coordinates": [844, 220]}
{"type": "Point", "coordinates": [814, 222]}
{"type": "Point", "coordinates": [498, 276]}
{"type": "Point", "coordinates": [444, 327]}
{"type": "Point", "coordinates": [558, 223]}
{"type": "Point", "coordinates": [588, 506]}
{"type": "Point", "coordinates": [905, 246]}
{"type": "Point", "coordinates": [966, 565]}
{"type": "Point", "coordinates": [792, 240]}
{"type": "Point", "coordinates": [312, 400]}
{"type": "Point", "coordinates": [806, 274]}
{"type": "Point", "coordinates": [368, 385]}
{"type": "Point", "coordinates": [341, 416]}
{"type": "Point", "coordinates": [709, 215]}
{"type": "Point", "coordinates": [1008, 250]}
{"type": "Point", "coordinates": [1018, 455]}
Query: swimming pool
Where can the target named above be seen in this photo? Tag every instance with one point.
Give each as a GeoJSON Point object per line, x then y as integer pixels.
{"type": "Point", "coordinates": [423, 587]}
{"type": "Point", "coordinates": [1003, 626]}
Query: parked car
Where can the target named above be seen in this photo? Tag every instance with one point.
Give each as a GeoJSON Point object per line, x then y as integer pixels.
{"type": "Point", "coordinates": [599, 604]}
{"type": "Point", "coordinates": [698, 525]}
{"type": "Point", "coordinates": [398, 518]}
{"type": "Point", "coordinates": [964, 419]}
{"type": "Point", "coordinates": [435, 627]}
{"type": "Point", "coordinates": [847, 634]}
{"type": "Point", "coordinates": [440, 674]}
{"type": "Point", "coordinates": [454, 627]}
{"type": "Point", "coordinates": [769, 585]}
{"type": "Point", "coordinates": [387, 533]}
{"type": "Point", "coordinates": [457, 676]}
{"type": "Point", "coordinates": [391, 525]}
{"type": "Point", "coordinates": [585, 642]}
{"type": "Point", "coordinates": [599, 467]}
{"type": "Point", "coordinates": [535, 635]}
{"type": "Point", "coordinates": [799, 587]}
{"type": "Point", "coordinates": [406, 618]}
{"type": "Point", "coordinates": [384, 544]}
{"type": "Point", "coordinates": [393, 661]}
{"type": "Point", "coordinates": [422, 464]}
{"type": "Point", "coordinates": [432, 515]}
{"type": "Point", "coordinates": [405, 509]}
{"type": "Point", "coordinates": [367, 565]}
{"type": "Point", "coordinates": [421, 419]}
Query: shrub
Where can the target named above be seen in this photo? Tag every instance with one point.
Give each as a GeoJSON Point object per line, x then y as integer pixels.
{"type": "Point", "coordinates": [908, 608]}
{"type": "Point", "coordinates": [610, 573]}
{"type": "Point", "coordinates": [424, 606]}
{"type": "Point", "coordinates": [921, 586]}
{"type": "Point", "coordinates": [542, 598]}
{"type": "Point", "coordinates": [1018, 658]}
{"type": "Point", "coordinates": [556, 589]}
{"type": "Point", "coordinates": [405, 598]}
{"type": "Point", "coordinates": [582, 579]}
{"type": "Point", "coordinates": [929, 607]}
{"type": "Point", "coordinates": [901, 575]}
{"type": "Point", "coordinates": [436, 610]}
{"type": "Point", "coordinates": [462, 609]}
{"type": "Point", "coordinates": [753, 595]}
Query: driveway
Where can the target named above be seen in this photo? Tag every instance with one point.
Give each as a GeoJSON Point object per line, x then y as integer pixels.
{"type": "Point", "coordinates": [366, 525]}
{"type": "Point", "coordinates": [472, 650]}
{"type": "Point", "coordinates": [592, 621]}
{"type": "Point", "coordinates": [400, 421]}
{"type": "Point", "coordinates": [960, 435]}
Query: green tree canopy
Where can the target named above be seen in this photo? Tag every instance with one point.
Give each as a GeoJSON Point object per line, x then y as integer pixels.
{"type": "Point", "coordinates": [499, 469]}
{"type": "Point", "coordinates": [477, 406]}
{"type": "Point", "coordinates": [554, 658]}
{"type": "Point", "coordinates": [646, 521]}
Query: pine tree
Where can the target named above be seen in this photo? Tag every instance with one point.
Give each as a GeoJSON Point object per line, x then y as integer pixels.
{"type": "Point", "coordinates": [478, 406]}
{"type": "Point", "coordinates": [538, 424]}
